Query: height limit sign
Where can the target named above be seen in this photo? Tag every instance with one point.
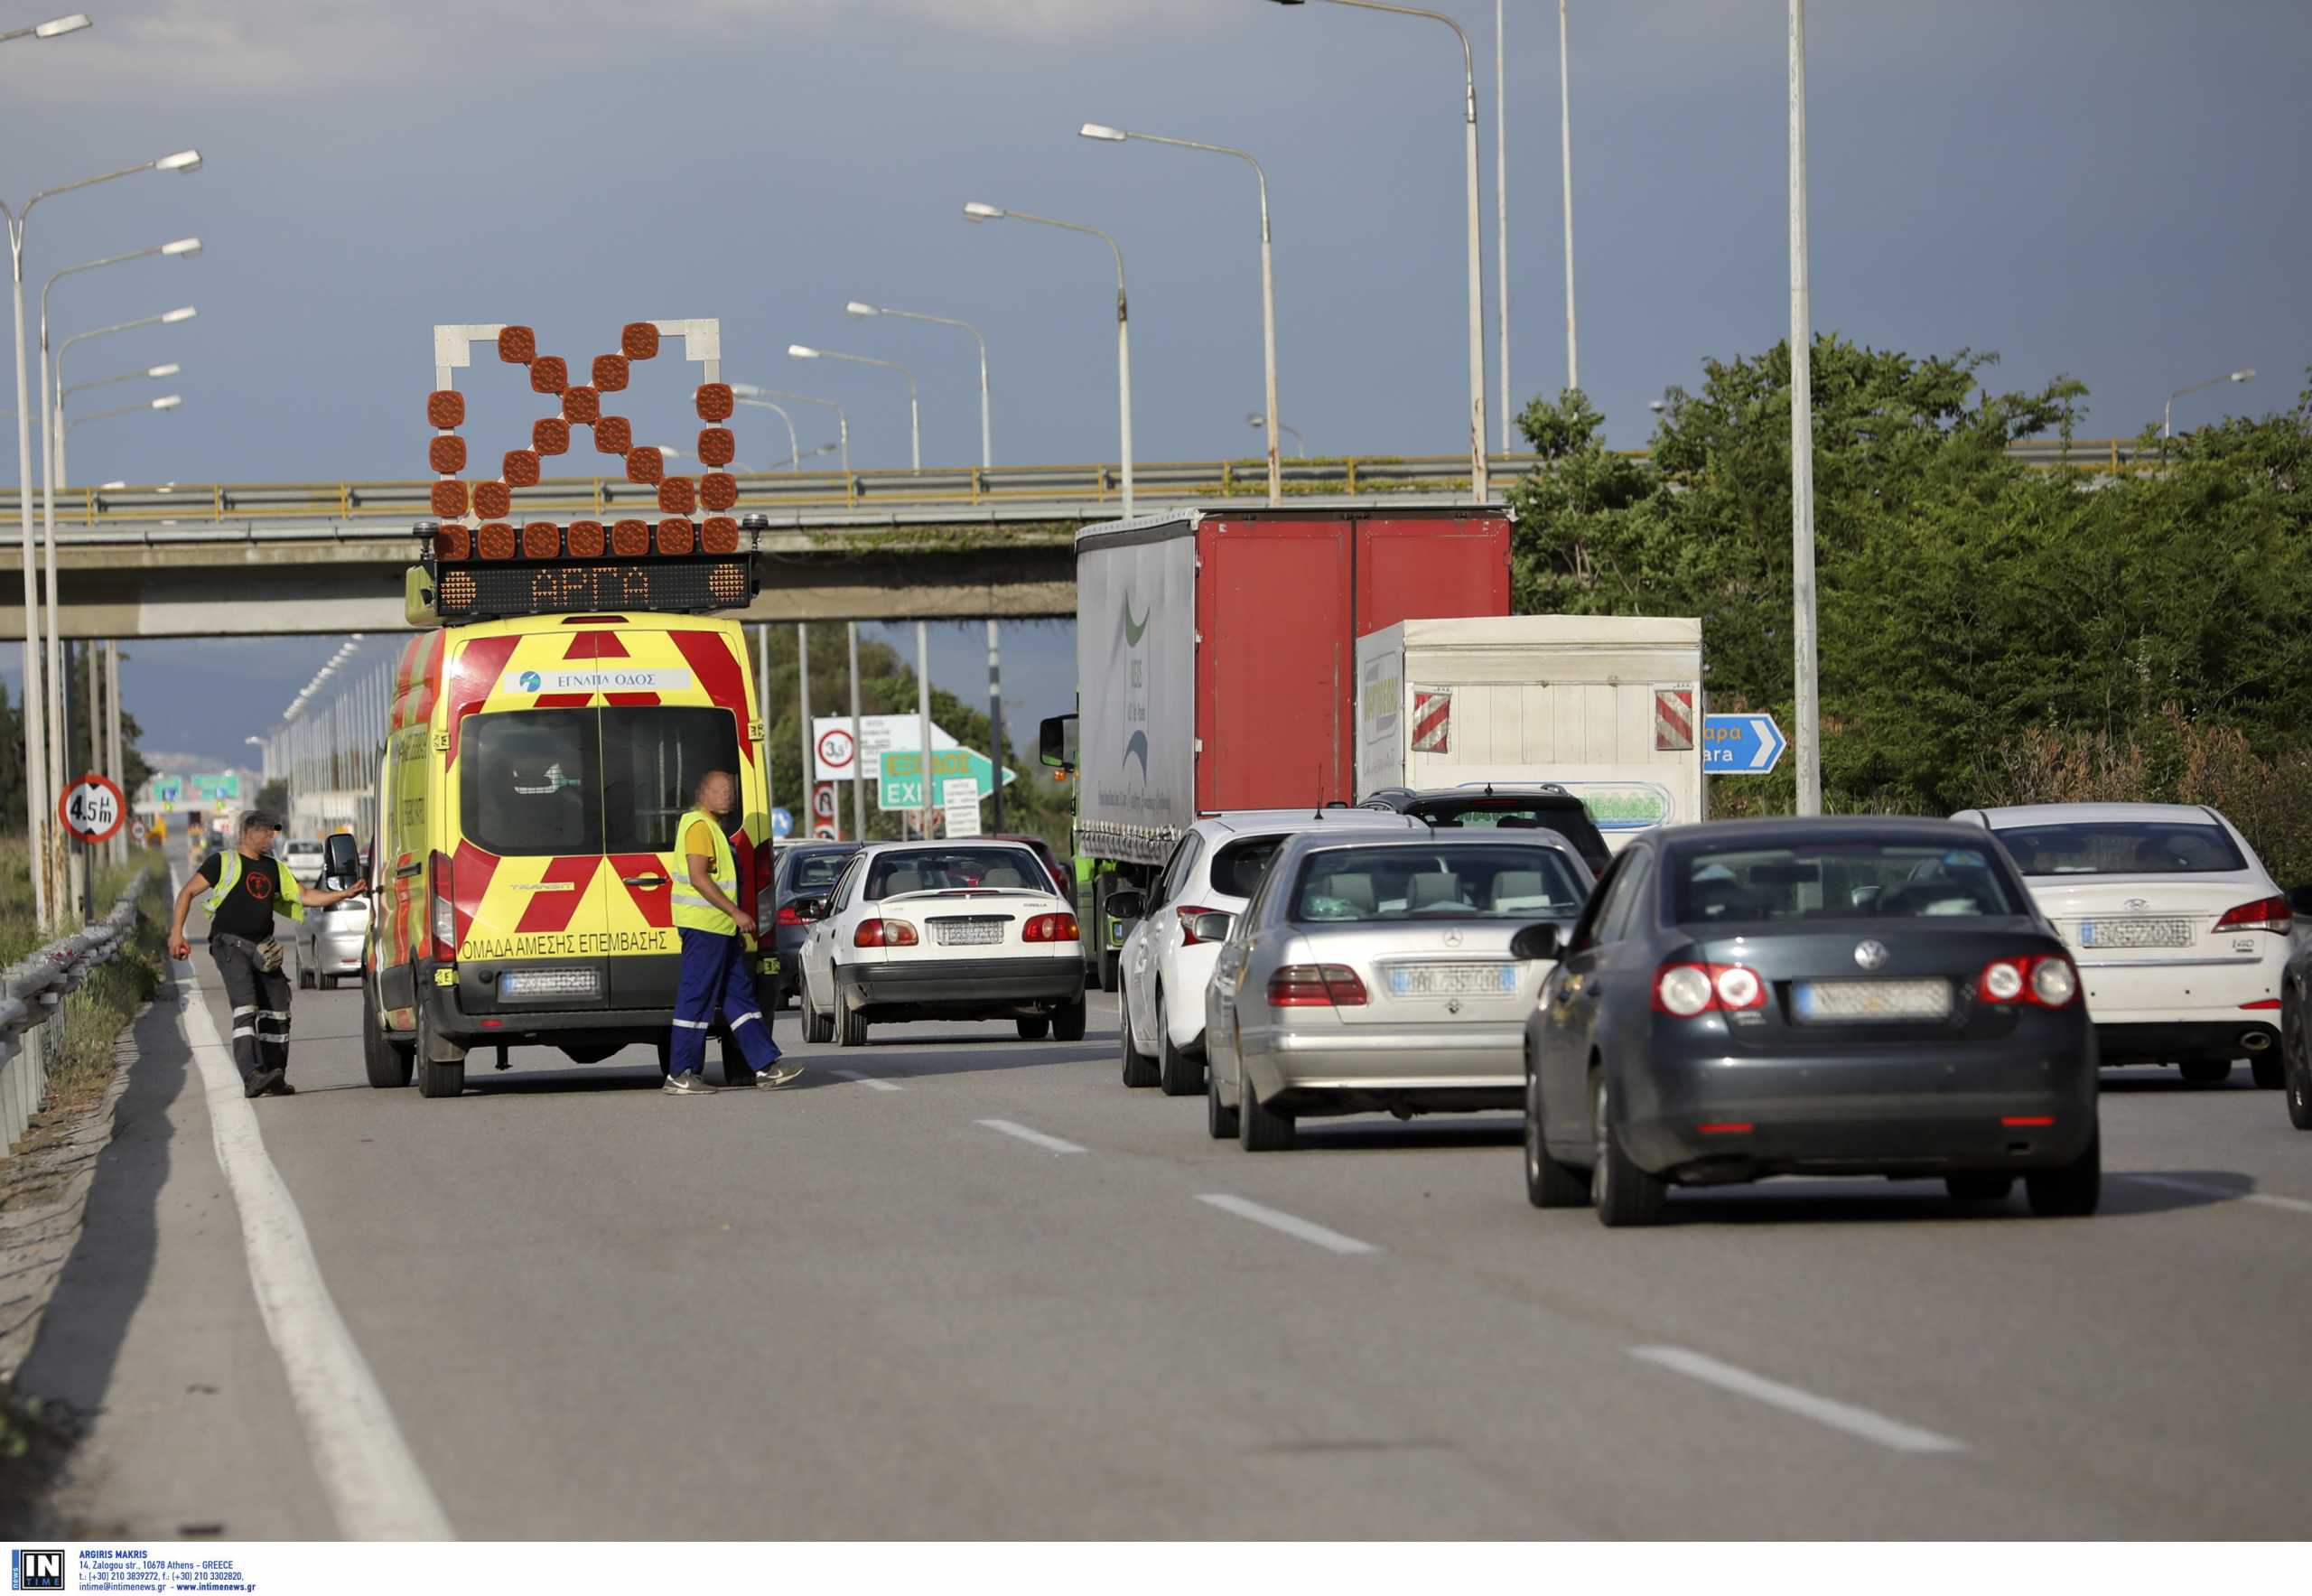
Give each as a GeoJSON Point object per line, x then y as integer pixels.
{"type": "Point", "coordinates": [92, 809]}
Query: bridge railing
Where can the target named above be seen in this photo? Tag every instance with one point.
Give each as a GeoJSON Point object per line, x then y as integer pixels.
{"type": "Point", "coordinates": [936, 488]}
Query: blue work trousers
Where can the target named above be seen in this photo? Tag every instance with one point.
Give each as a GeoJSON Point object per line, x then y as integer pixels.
{"type": "Point", "coordinates": [714, 975]}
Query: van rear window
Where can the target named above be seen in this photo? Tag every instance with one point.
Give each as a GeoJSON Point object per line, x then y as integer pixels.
{"type": "Point", "coordinates": [562, 781]}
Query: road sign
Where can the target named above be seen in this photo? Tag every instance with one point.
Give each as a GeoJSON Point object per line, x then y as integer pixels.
{"type": "Point", "coordinates": [877, 733]}
{"type": "Point", "coordinates": [901, 786]}
{"type": "Point", "coordinates": [167, 789]}
{"type": "Point", "coordinates": [824, 832]}
{"type": "Point", "coordinates": [136, 831]}
{"type": "Point", "coordinates": [822, 801]}
{"type": "Point", "coordinates": [959, 796]}
{"type": "Point", "coordinates": [1741, 744]}
{"type": "Point", "coordinates": [782, 823]}
{"type": "Point", "coordinates": [221, 787]}
{"type": "Point", "coordinates": [92, 809]}
{"type": "Point", "coordinates": [836, 747]}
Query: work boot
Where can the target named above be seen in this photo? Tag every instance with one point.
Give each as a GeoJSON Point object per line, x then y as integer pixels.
{"type": "Point", "coordinates": [259, 1082]}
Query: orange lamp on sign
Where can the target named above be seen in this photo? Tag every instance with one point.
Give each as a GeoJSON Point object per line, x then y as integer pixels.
{"type": "Point", "coordinates": [609, 373]}
{"type": "Point", "coordinates": [450, 500]}
{"type": "Point", "coordinates": [445, 407]}
{"type": "Point", "coordinates": [675, 535]}
{"type": "Point", "coordinates": [446, 455]}
{"type": "Point", "coordinates": [613, 434]}
{"type": "Point", "coordinates": [491, 500]}
{"type": "Point", "coordinates": [639, 341]}
{"type": "Point", "coordinates": [541, 540]}
{"type": "Point", "coordinates": [496, 539]}
{"type": "Point", "coordinates": [585, 540]}
{"type": "Point", "coordinates": [518, 346]}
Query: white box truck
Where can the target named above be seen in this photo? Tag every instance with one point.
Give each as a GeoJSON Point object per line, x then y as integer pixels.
{"type": "Point", "coordinates": [1606, 706]}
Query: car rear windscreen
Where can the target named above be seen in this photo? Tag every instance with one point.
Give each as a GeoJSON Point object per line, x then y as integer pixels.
{"type": "Point", "coordinates": [1450, 881]}
{"type": "Point", "coordinates": [1238, 866]}
{"type": "Point", "coordinates": [562, 781]}
{"type": "Point", "coordinates": [1509, 813]}
{"type": "Point", "coordinates": [812, 872]}
{"type": "Point", "coordinates": [937, 870]}
{"type": "Point", "coordinates": [2122, 847]}
{"type": "Point", "coordinates": [1838, 881]}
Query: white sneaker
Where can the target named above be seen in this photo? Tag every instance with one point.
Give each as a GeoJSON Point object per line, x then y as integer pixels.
{"type": "Point", "coordinates": [688, 1084]}
{"type": "Point", "coordinates": [778, 1075]}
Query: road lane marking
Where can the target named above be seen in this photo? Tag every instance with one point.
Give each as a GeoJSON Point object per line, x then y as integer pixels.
{"type": "Point", "coordinates": [2294, 1205]}
{"type": "Point", "coordinates": [374, 1487]}
{"type": "Point", "coordinates": [865, 1079]}
{"type": "Point", "coordinates": [1332, 1241]}
{"type": "Point", "coordinates": [1049, 1143]}
{"type": "Point", "coordinates": [1823, 1410]}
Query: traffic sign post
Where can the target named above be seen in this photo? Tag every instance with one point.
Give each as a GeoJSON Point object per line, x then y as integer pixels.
{"type": "Point", "coordinates": [1741, 744]}
{"type": "Point", "coordinates": [92, 809]}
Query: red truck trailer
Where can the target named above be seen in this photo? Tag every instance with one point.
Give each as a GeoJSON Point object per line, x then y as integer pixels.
{"type": "Point", "coordinates": [1215, 656]}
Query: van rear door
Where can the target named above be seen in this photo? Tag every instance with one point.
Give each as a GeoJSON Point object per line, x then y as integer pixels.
{"type": "Point", "coordinates": [653, 755]}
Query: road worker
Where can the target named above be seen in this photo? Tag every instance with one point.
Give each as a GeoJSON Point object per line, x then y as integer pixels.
{"type": "Point", "coordinates": [716, 937]}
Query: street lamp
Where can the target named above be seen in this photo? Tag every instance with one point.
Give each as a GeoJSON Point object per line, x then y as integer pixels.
{"type": "Point", "coordinates": [975, 212]}
{"type": "Point", "coordinates": [803, 351]}
{"type": "Point", "coordinates": [986, 452]}
{"type": "Point", "coordinates": [1257, 421]}
{"type": "Point", "coordinates": [1806, 661]}
{"type": "Point", "coordinates": [166, 402]}
{"type": "Point", "coordinates": [794, 449]}
{"type": "Point", "coordinates": [166, 318]}
{"type": "Point", "coordinates": [1480, 487]}
{"type": "Point", "coordinates": [748, 392]}
{"type": "Point", "coordinates": [41, 835]}
{"type": "Point", "coordinates": [48, 30]}
{"type": "Point", "coordinates": [2167, 415]}
{"type": "Point", "coordinates": [1268, 277]}
{"type": "Point", "coordinates": [170, 370]}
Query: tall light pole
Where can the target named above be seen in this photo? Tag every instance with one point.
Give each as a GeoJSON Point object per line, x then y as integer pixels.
{"type": "Point", "coordinates": [1565, 156]}
{"type": "Point", "coordinates": [166, 402]}
{"type": "Point", "coordinates": [168, 369]}
{"type": "Point", "coordinates": [858, 752]}
{"type": "Point", "coordinates": [747, 392]}
{"type": "Point", "coordinates": [1501, 206]}
{"type": "Point", "coordinates": [975, 212]}
{"type": "Point", "coordinates": [165, 319]}
{"type": "Point", "coordinates": [42, 836]}
{"type": "Point", "coordinates": [803, 351]}
{"type": "Point", "coordinates": [2168, 414]}
{"type": "Point", "coordinates": [1809, 740]}
{"type": "Point", "coordinates": [1257, 421]}
{"type": "Point", "coordinates": [986, 445]}
{"type": "Point", "coordinates": [1481, 486]}
{"type": "Point", "coordinates": [1268, 276]}
{"type": "Point", "coordinates": [48, 30]}
{"type": "Point", "coordinates": [793, 448]}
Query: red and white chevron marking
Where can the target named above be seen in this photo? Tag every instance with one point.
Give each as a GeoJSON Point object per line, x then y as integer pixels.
{"type": "Point", "coordinates": [1673, 720]}
{"type": "Point", "coordinates": [1432, 721]}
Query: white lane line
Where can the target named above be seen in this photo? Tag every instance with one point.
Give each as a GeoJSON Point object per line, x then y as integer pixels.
{"type": "Point", "coordinates": [1049, 1143]}
{"type": "Point", "coordinates": [864, 1079]}
{"type": "Point", "coordinates": [2294, 1205]}
{"type": "Point", "coordinates": [1332, 1241]}
{"type": "Point", "coordinates": [374, 1487]}
{"type": "Point", "coordinates": [1823, 1410]}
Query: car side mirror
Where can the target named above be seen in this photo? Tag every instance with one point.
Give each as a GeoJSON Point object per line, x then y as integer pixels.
{"type": "Point", "coordinates": [1126, 905]}
{"type": "Point", "coordinates": [1057, 742]}
{"type": "Point", "coordinates": [1536, 942]}
{"type": "Point", "coordinates": [1211, 926]}
{"type": "Point", "coordinates": [1864, 897]}
{"type": "Point", "coordinates": [810, 909]}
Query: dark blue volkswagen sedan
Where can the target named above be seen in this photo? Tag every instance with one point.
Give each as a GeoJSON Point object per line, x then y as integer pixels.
{"type": "Point", "coordinates": [1858, 996]}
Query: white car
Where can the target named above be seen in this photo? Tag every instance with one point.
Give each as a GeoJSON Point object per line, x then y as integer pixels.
{"type": "Point", "coordinates": [2181, 934]}
{"type": "Point", "coordinates": [303, 859]}
{"type": "Point", "coordinates": [941, 930]}
{"type": "Point", "coordinates": [1168, 957]}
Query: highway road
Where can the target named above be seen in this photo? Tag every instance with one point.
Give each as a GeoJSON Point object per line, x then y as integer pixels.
{"type": "Point", "coordinates": [975, 1288]}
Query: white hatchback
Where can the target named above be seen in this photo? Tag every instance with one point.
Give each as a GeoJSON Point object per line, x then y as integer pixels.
{"type": "Point", "coordinates": [1168, 957]}
{"type": "Point", "coordinates": [941, 930]}
{"type": "Point", "coordinates": [2180, 933]}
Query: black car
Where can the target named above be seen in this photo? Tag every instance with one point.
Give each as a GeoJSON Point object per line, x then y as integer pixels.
{"type": "Point", "coordinates": [1856, 996]}
{"type": "Point", "coordinates": [805, 870]}
{"type": "Point", "coordinates": [1541, 807]}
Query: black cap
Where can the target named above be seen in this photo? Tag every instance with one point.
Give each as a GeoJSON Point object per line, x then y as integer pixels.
{"type": "Point", "coordinates": [264, 818]}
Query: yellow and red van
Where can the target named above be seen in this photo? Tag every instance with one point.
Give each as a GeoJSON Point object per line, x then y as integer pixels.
{"type": "Point", "coordinates": [534, 770]}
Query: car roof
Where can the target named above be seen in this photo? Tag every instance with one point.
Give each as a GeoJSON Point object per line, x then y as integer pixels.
{"type": "Point", "coordinates": [1293, 822]}
{"type": "Point", "coordinates": [1310, 842]}
{"type": "Point", "coordinates": [925, 845]}
{"type": "Point", "coordinates": [1549, 793]}
{"type": "Point", "coordinates": [2013, 815]}
{"type": "Point", "coordinates": [1776, 831]}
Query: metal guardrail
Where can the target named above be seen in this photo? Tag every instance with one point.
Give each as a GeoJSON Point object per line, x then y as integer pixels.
{"type": "Point", "coordinates": [31, 1007]}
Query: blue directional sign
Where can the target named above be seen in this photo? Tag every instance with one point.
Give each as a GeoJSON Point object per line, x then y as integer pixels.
{"type": "Point", "coordinates": [782, 824]}
{"type": "Point", "coordinates": [1741, 744]}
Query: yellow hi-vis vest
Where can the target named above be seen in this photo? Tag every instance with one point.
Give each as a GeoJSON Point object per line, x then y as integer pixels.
{"type": "Point", "coordinates": [692, 911]}
{"type": "Point", "coordinates": [228, 876]}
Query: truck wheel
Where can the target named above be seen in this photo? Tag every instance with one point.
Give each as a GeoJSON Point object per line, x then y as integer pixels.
{"type": "Point", "coordinates": [436, 1079]}
{"type": "Point", "coordinates": [1258, 1127]}
{"type": "Point", "coordinates": [1220, 1121]}
{"type": "Point", "coordinates": [817, 1027]}
{"type": "Point", "coordinates": [850, 1025]}
{"type": "Point", "coordinates": [1179, 1074]}
{"type": "Point", "coordinates": [2071, 1192]}
{"type": "Point", "coordinates": [1067, 1022]}
{"type": "Point", "coordinates": [2205, 1073]}
{"type": "Point", "coordinates": [387, 1064]}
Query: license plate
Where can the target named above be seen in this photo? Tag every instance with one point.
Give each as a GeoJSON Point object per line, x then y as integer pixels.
{"type": "Point", "coordinates": [975, 932]}
{"type": "Point", "coordinates": [2135, 933]}
{"type": "Point", "coordinates": [768, 967]}
{"type": "Point", "coordinates": [1819, 1002]}
{"type": "Point", "coordinates": [545, 983]}
{"type": "Point", "coordinates": [1486, 980]}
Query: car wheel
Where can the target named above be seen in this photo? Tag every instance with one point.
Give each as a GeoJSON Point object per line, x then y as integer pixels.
{"type": "Point", "coordinates": [1549, 1184]}
{"type": "Point", "coordinates": [1258, 1127]}
{"type": "Point", "coordinates": [1219, 1119]}
{"type": "Point", "coordinates": [2269, 1069]}
{"type": "Point", "coordinates": [1067, 1022]}
{"type": "Point", "coordinates": [1139, 1068]}
{"type": "Point", "coordinates": [2205, 1073]}
{"type": "Point", "coordinates": [1979, 1187]}
{"type": "Point", "coordinates": [326, 982]}
{"type": "Point", "coordinates": [1179, 1074]}
{"type": "Point", "coordinates": [2071, 1192]}
{"type": "Point", "coordinates": [1033, 1027]}
{"type": "Point", "coordinates": [1109, 976]}
{"type": "Point", "coordinates": [849, 1025]}
{"type": "Point", "coordinates": [1622, 1193]}
{"type": "Point", "coordinates": [2298, 1066]}
{"type": "Point", "coordinates": [387, 1064]}
{"type": "Point", "coordinates": [434, 1078]}
{"type": "Point", "coordinates": [817, 1027]}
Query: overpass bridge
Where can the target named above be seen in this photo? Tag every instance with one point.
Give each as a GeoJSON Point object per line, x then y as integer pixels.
{"type": "Point", "coordinates": [179, 559]}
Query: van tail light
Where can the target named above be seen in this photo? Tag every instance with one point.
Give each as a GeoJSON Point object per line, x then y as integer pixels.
{"type": "Point", "coordinates": [445, 911]}
{"type": "Point", "coordinates": [1186, 914]}
{"type": "Point", "coordinates": [1687, 990]}
{"type": "Point", "coordinates": [883, 933]}
{"type": "Point", "coordinates": [1316, 986]}
{"type": "Point", "coordinates": [2044, 981]}
{"type": "Point", "coordinates": [1054, 928]}
{"type": "Point", "coordinates": [787, 917]}
{"type": "Point", "coordinates": [2265, 914]}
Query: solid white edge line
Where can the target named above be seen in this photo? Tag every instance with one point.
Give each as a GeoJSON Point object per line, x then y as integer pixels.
{"type": "Point", "coordinates": [1823, 1410]}
{"type": "Point", "coordinates": [1332, 1241]}
{"type": "Point", "coordinates": [865, 1079]}
{"type": "Point", "coordinates": [374, 1486]}
{"type": "Point", "coordinates": [2294, 1205]}
{"type": "Point", "coordinates": [1049, 1143]}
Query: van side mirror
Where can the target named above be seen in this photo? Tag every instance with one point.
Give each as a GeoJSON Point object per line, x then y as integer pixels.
{"type": "Point", "coordinates": [1536, 942]}
{"type": "Point", "coordinates": [1057, 742]}
{"type": "Point", "coordinates": [341, 861]}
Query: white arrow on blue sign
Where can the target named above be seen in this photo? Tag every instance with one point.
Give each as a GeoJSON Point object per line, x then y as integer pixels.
{"type": "Point", "coordinates": [782, 824]}
{"type": "Point", "coordinates": [1741, 744]}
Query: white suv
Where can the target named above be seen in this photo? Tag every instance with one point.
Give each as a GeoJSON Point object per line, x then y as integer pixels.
{"type": "Point", "coordinates": [2180, 934]}
{"type": "Point", "coordinates": [1167, 957]}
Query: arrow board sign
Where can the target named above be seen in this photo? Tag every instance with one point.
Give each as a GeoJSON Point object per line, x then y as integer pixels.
{"type": "Point", "coordinates": [1741, 744]}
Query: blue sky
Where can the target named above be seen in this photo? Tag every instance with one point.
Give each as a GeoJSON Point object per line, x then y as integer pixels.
{"type": "Point", "coordinates": [2104, 189]}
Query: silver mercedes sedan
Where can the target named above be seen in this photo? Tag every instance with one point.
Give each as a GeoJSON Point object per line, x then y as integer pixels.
{"type": "Point", "coordinates": [1375, 974]}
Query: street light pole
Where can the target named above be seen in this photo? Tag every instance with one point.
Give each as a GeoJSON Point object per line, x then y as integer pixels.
{"type": "Point", "coordinates": [1481, 486]}
{"type": "Point", "coordinates": [2168, 414]}
{"type": "Point", "coordinates": [803, 352]}
{"type": "Point", "coordinates": [986, 445]}
{"type": "Point", "coordinates": [167, 318]}
{"type": "Point", "coordinates": [747, 392]}
{"type": "Point", "coordinates": [858, 753]}
{"type": "Point", "coordinates": [1565, 155]}
{"type": "Point", "coordinates": [1808, 743]}
{"type": "Point", "coordinates": [1268, 276]}
{"type": "Point", "coordinates": [1501, 205]}
{"type": "Point", "coordinates": [975, 212]}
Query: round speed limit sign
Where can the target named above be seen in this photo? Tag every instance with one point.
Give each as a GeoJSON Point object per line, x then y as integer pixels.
{"type": "Point", "coordinates": [92, 809]}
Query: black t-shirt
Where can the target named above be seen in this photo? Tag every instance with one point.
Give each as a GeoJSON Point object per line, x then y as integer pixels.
{"type": "Point", "coordinates": [249, 911]}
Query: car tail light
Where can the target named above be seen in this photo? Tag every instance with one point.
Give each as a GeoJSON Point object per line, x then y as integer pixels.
{"type": "Point", "coordinates": [445, 911]}
{"type": "Point", "coordinates": [883, 933]}
{"type": "Point", "coordinates": [1316, 986]}
{"type": "Point", "coordinates": [1688, 990]}
{"type": "Point", "coordinates": [1186, 914]}
{"type": "Point", "coordinates": [2265, 914]}
{"type": "Point", "coordinates": [787, 917]}
{"type": "Point", "coordinates": [2047, 980]}
{"type": "Point", "coordinates": [1054, 928]}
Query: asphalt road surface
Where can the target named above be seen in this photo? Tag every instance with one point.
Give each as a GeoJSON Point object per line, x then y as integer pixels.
{"type": "Point", "coordinates": [976, 1288]}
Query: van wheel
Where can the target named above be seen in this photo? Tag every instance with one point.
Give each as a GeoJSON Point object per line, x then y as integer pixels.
{"type": "Point", "coordinates": [436, 1079]}
{"type": "Point", "coordinates": [387, 1064]}
{"type": "Point", "coordinates": [850, 1026]}
{"type": "Point", "coordinates": [1179, 1074]}
{"type": "Point", "coordinates": [817, 1027]}
{"type": "Point", "coordinates": [1258, 1127]}
{"type": "Point", "coordinates": [1139, 1068]}
{"type": "Point", "coordinates": [1067, 1022]}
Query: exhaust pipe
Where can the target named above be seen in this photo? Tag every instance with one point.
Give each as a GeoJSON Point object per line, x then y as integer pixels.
{"type": "Point", "coordinates": [2255, 1041]}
